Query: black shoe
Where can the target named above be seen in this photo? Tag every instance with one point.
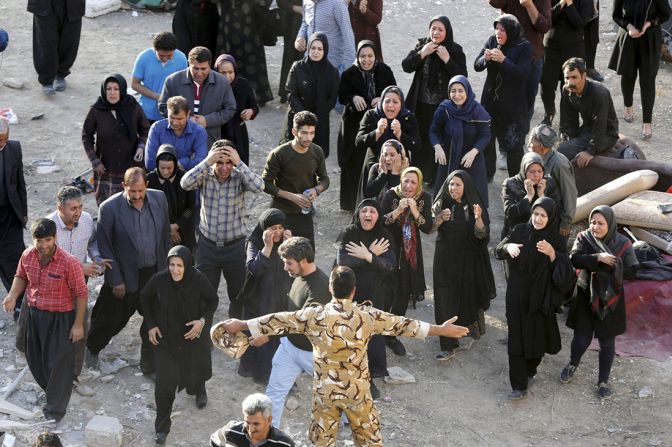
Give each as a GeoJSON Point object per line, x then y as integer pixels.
{"type": "Point", "coordinates": [594, 75]}
{"type": "Point", "coordinates": [604, 391]}
{"type": "Point", "coordinates": [147, 366]}
{"type": "Point", "coordinates": [567, 373]}
{"type": "Point", "coordinates": [548, 120]}
{"type": "Point", "coordinates": [48, 415]}
{"type": "Point", "coordinates": [92, 360]}
{"type": "Point", "coordinates": [201, 400]}
{"type": "Point", "coordinates": [395, 345]}
{"type": "Point", "coordinates": [160, 438]}
{"type": "Point", "coordinates": [445, 355]}
{"type": "Point", "coordinates": [375, 392]}
{"type": "Point", "coordinates": [517, 394]}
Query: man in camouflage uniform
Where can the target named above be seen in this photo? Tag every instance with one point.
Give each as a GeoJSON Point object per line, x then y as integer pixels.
{"type": "Point", "coordinates": [340, 332]}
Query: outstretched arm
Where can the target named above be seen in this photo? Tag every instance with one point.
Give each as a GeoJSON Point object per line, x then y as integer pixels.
{"type": "Point", "coordinates": [448, 329]}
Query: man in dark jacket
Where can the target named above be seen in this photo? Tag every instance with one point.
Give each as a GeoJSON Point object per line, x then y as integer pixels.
{"type": "Point", "coordinates": [13, 208]}
{"type": "Point", "coordinates": [208, 93]}
{"type": "Point", "coordinates": [588, 122]}
{"type": "Point", "coordinates": [57, 25]}
{"type": "Point", "coordinates": [134, 234]}
{"type": "Point", "coordinates": [255, 430]}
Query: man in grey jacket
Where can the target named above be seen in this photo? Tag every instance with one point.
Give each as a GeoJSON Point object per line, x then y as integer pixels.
{"type": "Point", "coordinates": [134, 234]}
{"type": "Point", "coordinates": [208, 93]}
{"type": "Point", "coordinates": [542, 140]}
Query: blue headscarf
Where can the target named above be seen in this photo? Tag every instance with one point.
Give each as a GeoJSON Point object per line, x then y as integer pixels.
{"type": "Point", "coordinates": [470, 111]}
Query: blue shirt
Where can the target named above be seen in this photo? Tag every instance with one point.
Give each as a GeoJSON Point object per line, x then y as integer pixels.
{"type": "Point", "coordinates": [191, 146]}
{"type": "Point", "coordinates": [152, 73]}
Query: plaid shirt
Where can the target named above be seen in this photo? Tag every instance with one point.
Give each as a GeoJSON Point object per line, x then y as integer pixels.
{"type": "Point", "coordinates": [80, 240]}
{"type": "Point", "coordinates": [222, 203]}
{"type": "Point", "coordinates": [55, 286]}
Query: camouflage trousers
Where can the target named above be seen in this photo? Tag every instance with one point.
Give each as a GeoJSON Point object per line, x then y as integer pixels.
{"type": "Point", "coordinates": [361, 413]}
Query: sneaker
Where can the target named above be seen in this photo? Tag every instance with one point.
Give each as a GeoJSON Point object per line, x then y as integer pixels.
{"type": "Point", "coordinates": [201, 400]}
{"type": "Point", "coordinates": [445, 355]}
{"type": "Point", "coordinates": [567, 373]}
{"type": "Point", "coordinates": [375, 392]}
{"type": "Point", "coordinates": [60, 84]}
{"type": "Point", "coordinates": [604, 391]}
{"type": "Point", "coordinates": [517, 395]}
{"type": "Point", "coordinates": [501, 162]}
{"type": "Point", "coordinates": [160, 438]}
{"type": "Point", "coordinates": [594, 75]}
{"type": "Point", "coordinates": [92, 360]}
{"type": "Point", "coordinates": [395, 345]}
{"type": "Point", "coordinates": [48, 90]}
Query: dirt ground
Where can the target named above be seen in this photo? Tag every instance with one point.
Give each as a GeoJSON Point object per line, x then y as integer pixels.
{"type": "Point", "coordinates": [461, 402]}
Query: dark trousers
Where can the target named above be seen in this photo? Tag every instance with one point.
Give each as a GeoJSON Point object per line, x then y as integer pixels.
{"type": "Point", "coordinates": [167, 382]}
{"type": "Point", "coordinates": [551, 74]}
{"type": "Point", "coordinates": [228, 259]}
{"type": "Point", "coordinates": [423, 158]}
{"type": "Point", "coordinates": [580, 344]}
{"type": "Point", "coordinates": [572, 147]}
{"type": "Point", "coordinates": [302, 225]}
{"type": "Point", "coordinates": [111, 314]}
{"type": "Point", "coordinates": [51, 355]}
{"type": "Point", "coordinates": [520, 368]}
{"type": "Point", "coordinates": [55, 45]}
{"type": "Point", "coordinates": [510, 135]}
{"type": "Point", "coordinates": [11, 247]}
{"type": "Point", "coordinates": [377, 357]}
{"type": "Point", "coordinates": [591, 37]}
{"type": "Point", "coordinates": [291, 22]}
{"type": "Point", "coordinates": [647, 89]}
{"type": "Point", "coordinates": [532, 87]}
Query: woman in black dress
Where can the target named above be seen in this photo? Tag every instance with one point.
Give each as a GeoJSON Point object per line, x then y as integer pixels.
{"type": "Point", "coordinates": [178, 305]}
{"type": "Point", "coordinates": [637, 49]}
{"type": "Point", "coordinates": [246, 106]}
{"type": "Point", "coordinates": [360, 89]}
{"type": "Point", "coordinates": [434, 60]}
{"type": "Point", "coordinates": [265, 289]}
{"type": "Point", "coordinates": [407, 211]}
{"type": "Point", "coordinates": [390, 120]}
{"type": "Point", "coordinates": [367, 248]}
{"type": "Point", "coordinates": [386, 174]}
{"type": "Point", "coordinates": [605, 258]}
{"type": "Point", "coordinates": [181, 204]}
{"type": "Point", "coordinates": [291, 14]}
{"type": "Point", "coordinates": [463, 279]}
{"type": "Point", "coordinates": [540, 275]}
{"type": "Point", "coordinates": [312, 85]}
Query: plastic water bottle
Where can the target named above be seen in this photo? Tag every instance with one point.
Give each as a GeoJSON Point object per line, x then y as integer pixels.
{"type": "Point", "coordinates": [306, 194]}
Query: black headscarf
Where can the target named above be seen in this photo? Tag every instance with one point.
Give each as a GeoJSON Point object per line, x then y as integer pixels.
{"type": "Point", "coordinates": [183, 253]}
{"type": "Point", "coordinates": [320, 71]}
{"type": "Point", "coordinates": [124, 108]}
{"type": "Point", "coordinates": [529, 159]}
{"type": "Point", "coordinates": [514, 31]}
{"type": "Point", "coordinates": [268, 218]}
{"type": "Point", "coordinates": [355, 233]}
{"type": "Point", "coordinates": [470, 197]}
{"type": "Point", "coordinates": [403, 111]}
{"type": "Point", "coordinates": [167, 152]}
{"type": "Point", "coordinates": [368, 75]}
{"type": "Point", "coordinates": [434, 61]}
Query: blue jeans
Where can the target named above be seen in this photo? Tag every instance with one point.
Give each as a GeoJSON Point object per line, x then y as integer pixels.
{"type": "Point", "coordinates": [532, 85]}
{"type": "Point", "coordinates": [288, 364]}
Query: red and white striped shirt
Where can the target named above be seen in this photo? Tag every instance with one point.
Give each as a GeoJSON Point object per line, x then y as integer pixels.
{"type": "Point", "coordinates": [53, 287]}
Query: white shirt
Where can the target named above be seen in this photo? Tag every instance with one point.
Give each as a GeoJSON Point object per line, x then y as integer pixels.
{"type": "Point", "coordinates": [80, 240]}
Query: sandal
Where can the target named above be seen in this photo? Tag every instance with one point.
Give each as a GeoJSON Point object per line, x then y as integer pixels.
{"type": "Point", "coordinates": [628, 118]}
{"type": "Point", "coordinates": [445, 355]}
{"type": "Point", "coordinates": [647, 135]}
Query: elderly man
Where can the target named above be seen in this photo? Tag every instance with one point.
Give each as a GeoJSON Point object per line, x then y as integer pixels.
{"type": "Point", "coordinates": [134, 234]}
{"type": "Point", "coordinates": [13, 208]}
{"type": "Point", "coordinates": [588, 122]}
{"type": "Point", "coordinates": [223, 180]}
{"type": "Point", "coordinates": [295, 174]}
{"type": "Point", "coordinates": [542, 140]}
{"type": "Point", "coordinates": [188, 138]}
{"type": "Point", "coordinates": [208, 93]}
{"type": "Point", "coordinates": [152, 67]}
{"type": "Point", "coordinates": [340, 332]}
{"type": "Point", "coordinates": [254, 430]}
{"type": "Point", "coordinates": [56, 296]}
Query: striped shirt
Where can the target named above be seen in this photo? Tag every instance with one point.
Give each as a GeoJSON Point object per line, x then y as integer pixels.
{"type": "Point", "coordinates": [79, 240]}
{"type": "Point", "coordinates": [222, 203]}
{"type": "Point", "coordinates": [55, 286]}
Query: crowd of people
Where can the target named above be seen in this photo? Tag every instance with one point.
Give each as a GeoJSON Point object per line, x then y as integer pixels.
{"type": "Point", "coordinates": [171, 175]}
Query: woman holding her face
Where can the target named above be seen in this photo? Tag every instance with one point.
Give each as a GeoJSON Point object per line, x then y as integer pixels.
{"type": "Point", "coordinates": [539, 275]}
{"type": "Point", "coordinates": [386, 174]}
{"type": "Point", "coordinates": [605, 258]}
{"type": "Point", "coordinates": [407, 212]}
{"type": "Point", "coordinates": [312, 85]}
{"type": "Point", "coordinates": [463, 279]}
{"type": "Point", "coordinates": [459, 133]}
{"type": "Point", "coordinates": [360, 90]}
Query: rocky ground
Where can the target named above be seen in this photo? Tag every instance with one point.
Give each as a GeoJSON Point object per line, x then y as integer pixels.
{"type": "Point", "coordinates": [461, 402]}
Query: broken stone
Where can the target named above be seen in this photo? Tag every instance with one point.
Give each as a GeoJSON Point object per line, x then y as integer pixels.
{"type": "Point", "coordinates": [103, 431]}
{"type": "Point", "coordinates": [10, 368]}
{"type": "Point", "coordinates": [14, 83]}
{"type": "Point", "coordinates": [107, 379]}
{"type": "Point", "coordinates": [116, 365]}
{"type": "Point", "coordinates": [645, 392]}
{"type": "Point", "coordinates": [31, 399]}
{"type": "Point", "coordinates": [145, 387]}
{"type": "Point", "coordinates": [398, 376]}
{"type": "Point", "coordinates": [292, 404]}
{"type": "Point", "coordinates": [100, 412]}
{"type": "Point", "coordinates": [2, 324]}
{"type": "Point", "coordinates": [84, 390]}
